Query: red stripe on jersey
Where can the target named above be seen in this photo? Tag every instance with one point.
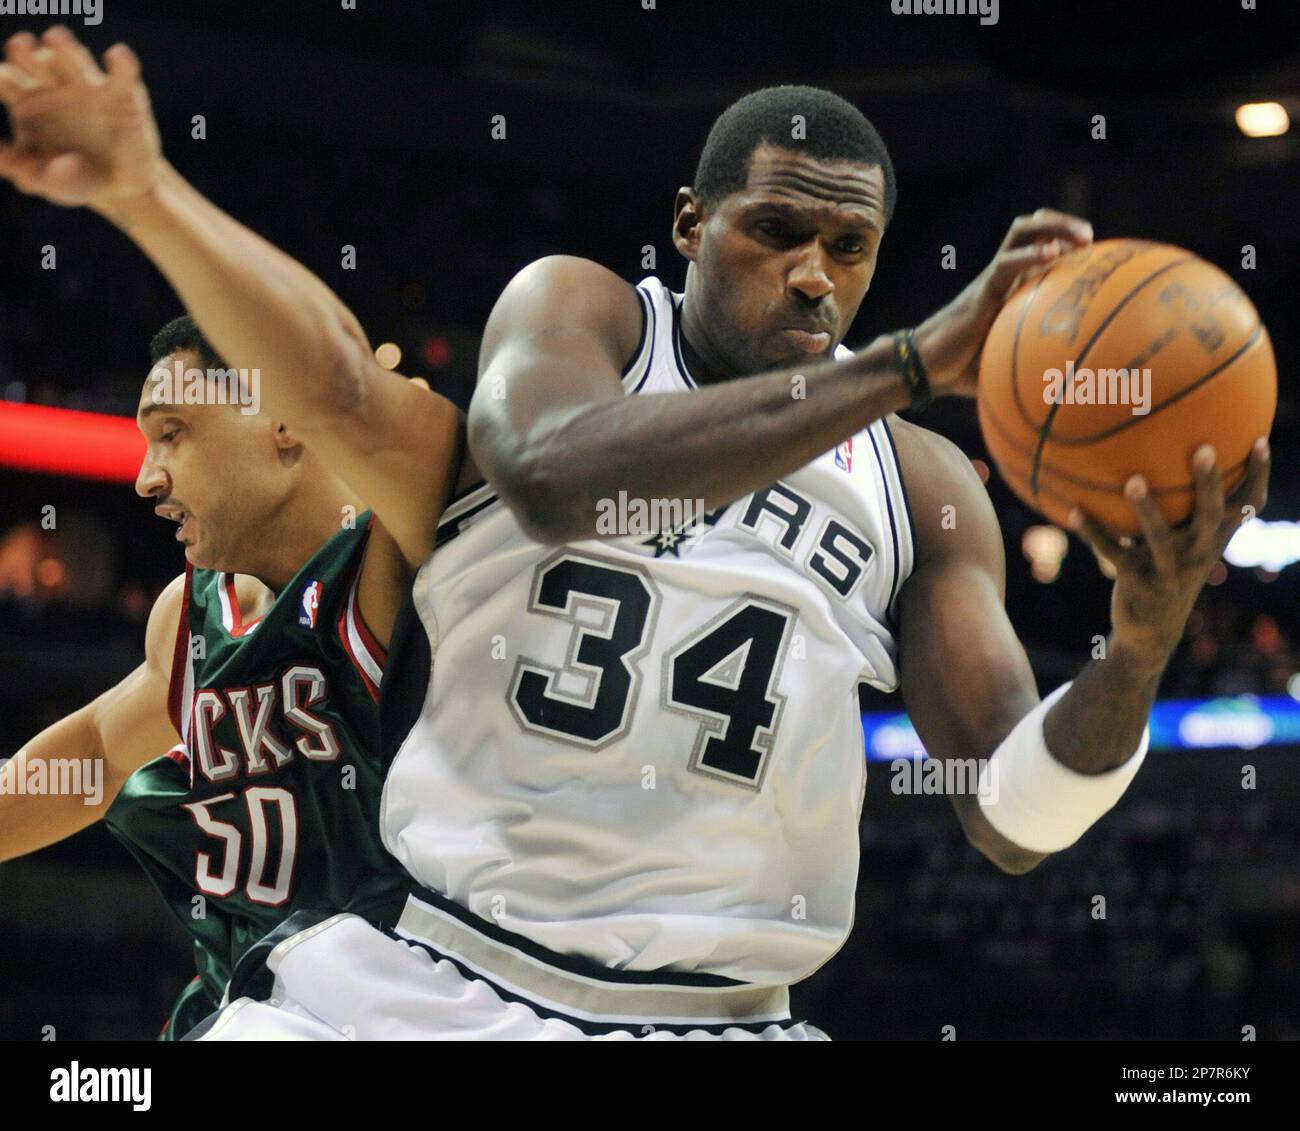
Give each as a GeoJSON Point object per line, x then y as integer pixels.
{"type": "Point", "coordinates": [370, 684]}
{"type": "Point", "coordinates": [376, 650]}
{"type": "Point", "coordinates": [237, 625]}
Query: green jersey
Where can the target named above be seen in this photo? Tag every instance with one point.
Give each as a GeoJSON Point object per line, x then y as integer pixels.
{"type": "Point", "coordinates": [270, 804]}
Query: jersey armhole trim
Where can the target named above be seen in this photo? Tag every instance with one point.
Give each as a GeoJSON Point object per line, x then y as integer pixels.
{"type": "Point", "coordinates": [642, 301]}
{"type": "Point", "coordinates": [909, 525]}
{"type": "Point", "coordinates": [232, 616]}
{"type": "Point", "coordinates": [896, 583]}
{"type": "Point", "coordinates": [368, 656]}
{"type": "Point", "coordinates": [638, 365]}
{"type": "Point", "coordinates": [682, 371]}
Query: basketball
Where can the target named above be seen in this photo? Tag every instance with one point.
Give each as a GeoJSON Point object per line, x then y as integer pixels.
{"type": "Point", "coordinates": [1122, 360]}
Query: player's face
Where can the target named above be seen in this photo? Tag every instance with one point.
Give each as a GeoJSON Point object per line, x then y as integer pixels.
{"type": "Point", "coordinates": [783, 265]}
{"type": "Point", "coordinates": [212, 469]}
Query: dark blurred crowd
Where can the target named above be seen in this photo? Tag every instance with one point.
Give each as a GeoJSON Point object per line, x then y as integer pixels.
{"type": "Point", "coordinates": [1198, 933]}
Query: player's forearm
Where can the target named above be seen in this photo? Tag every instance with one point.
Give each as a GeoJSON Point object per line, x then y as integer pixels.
{"type": "Point", "coordinates": [55, 786]}
{"type": "Point", "coordinates": [260, 308]}
{"type": "Point", "coordinates": [715, 445]}
{"type": "Point", "coordinates": [1097, 725]}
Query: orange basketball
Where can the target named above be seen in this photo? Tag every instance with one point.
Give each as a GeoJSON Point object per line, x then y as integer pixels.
{"type": "Point", "coordinates": [1123, 359]}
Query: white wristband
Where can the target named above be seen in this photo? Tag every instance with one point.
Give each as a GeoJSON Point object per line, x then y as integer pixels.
{"type": "Point", "coordinates": [1038, 803]}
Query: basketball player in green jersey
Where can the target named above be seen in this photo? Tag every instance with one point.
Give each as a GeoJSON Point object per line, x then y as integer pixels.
{"type": "Point", "coordinates": [261, 678]}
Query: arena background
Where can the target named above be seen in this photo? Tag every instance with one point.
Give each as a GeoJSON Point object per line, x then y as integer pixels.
{"type": "Point", "coordinates": [327, 127]}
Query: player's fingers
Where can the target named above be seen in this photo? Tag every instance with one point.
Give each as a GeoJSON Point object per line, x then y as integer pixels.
{"type": "Point", "coordinates": [14, 83]}
{"type": "Point", "coordinates": [19, 48]}
{"type": "Point", "coordinates": [1011, 265]}
{"type": "Point", "coordinates": [1045, 224]}
{"type": "Point", "coordinates": [421, 382]}
{"type": "Point", "coordinates": [1103, 544]}
{"type": "Point", "coordinates": [71, 58]}
{"type": "Point", "coordinates": [1155, 530]}
{"type": "Point", "coordinates": [1248, 499]}
{"type": "Point", "coordinates": [1207, 514]}
{"type": "Point", "coordinates": [1037, 271]}
{"type": "Point", "coordinates": [38, 61]}
{"type": "Point", "coordinates": [121, 64]}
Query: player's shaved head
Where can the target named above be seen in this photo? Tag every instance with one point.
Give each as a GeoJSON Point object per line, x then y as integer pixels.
{"type": "Point", "coordinates": [804, 119]}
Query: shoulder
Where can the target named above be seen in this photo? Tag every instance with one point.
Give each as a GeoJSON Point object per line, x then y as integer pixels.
{"type": "Point", "coordinates": [562, 292]}
{"type": "Point", "coordinates": [164, 623]}
{"type": "Point", "coordinates": [952, 514]}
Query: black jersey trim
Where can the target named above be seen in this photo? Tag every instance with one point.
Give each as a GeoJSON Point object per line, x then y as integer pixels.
{"type": "Point", "coordinates": [907, 505]}
{"type": "Point", "coordinates": [682, 371]}
{"type": "Point", "coordinates": [654, 336]}
{"type": "Point", "coordinates": [893, 531]}
{"type": "Point", "coordinates": [591, 1028]}
{"type": "Point", "coordinates": [569, 963]}
{"type": "Point", "coordinates": [465, 493]}
{"type": "Point", "coordinates": [452, 527]}
{"type": "Point", "coordinates": [647, 313]}
{"type": "Point", "coordinates": [252, 977]}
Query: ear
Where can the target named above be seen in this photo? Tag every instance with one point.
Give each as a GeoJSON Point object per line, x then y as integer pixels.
{"type": "Point", "coordinates": [688, 219]}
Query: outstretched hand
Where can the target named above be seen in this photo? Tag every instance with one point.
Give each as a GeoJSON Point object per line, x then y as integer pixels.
{"type": "Point", "coordinates": [82, 135]}
{"type": "Point", "coordinates": [1158, 576]}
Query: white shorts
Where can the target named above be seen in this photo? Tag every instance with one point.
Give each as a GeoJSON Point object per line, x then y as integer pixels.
{"type": "Point", "coordinates": [444, 975]}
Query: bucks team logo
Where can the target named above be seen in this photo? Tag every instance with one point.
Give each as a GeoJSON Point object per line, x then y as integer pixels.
{"type": "Point", "coordinates": [844, 455]}
{"type": "Point", "coordinates": [310, 604]}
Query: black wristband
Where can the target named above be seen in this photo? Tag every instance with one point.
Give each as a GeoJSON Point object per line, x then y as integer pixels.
{"type": "Point", "coordinates": [914, 375]}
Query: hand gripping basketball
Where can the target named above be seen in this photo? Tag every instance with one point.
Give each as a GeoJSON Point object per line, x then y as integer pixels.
{"type": "Point", "coordinates": [1159, 574]}
{"type": "Point", "coordinates": [950, 341]}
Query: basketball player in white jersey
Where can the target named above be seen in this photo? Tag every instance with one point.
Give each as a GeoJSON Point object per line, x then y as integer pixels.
{"type": "Point", "coordinates": [629, 787]}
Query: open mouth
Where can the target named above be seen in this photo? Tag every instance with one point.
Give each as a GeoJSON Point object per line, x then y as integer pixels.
{"type": "Point", "coordinates": [178, 515]}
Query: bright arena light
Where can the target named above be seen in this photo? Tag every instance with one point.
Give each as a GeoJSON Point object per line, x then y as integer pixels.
{"type": "Point", "coordinates": [1044, 547]}
{"type": "Point", "coordinates": [389, 355]}
{"type": "Point", "coordinates": [1263, 119]}
{"type": "Point", "coordinates": [1272, 545]}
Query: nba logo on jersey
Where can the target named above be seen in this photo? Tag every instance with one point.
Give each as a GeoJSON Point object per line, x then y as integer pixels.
{"type": "Point", "coordinates": [844, 455]}
{"type": "Point", "coordinates": [310, 604]}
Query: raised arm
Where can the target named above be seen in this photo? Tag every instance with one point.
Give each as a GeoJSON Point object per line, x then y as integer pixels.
{"type": "Point", "coordinates": [112, 736]}
{"type": "Point", "coordinates": [551, 427]}
{"type": "Point", "coordinates": [83, 136]}
{"type": "Point", "coordinates": [966, 680]}
{"type": "Point", "coordinates": [552, 430]}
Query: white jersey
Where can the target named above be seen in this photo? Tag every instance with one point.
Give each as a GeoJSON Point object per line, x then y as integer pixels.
{"type": "Point", "coordinates": [648, 750]}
